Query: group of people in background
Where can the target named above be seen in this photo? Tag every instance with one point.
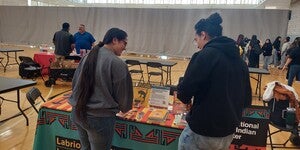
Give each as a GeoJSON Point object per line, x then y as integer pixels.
{"type": "Point", "coordinates": [280, 54]}
{"type": "Point", "coordinates": [65, 42]}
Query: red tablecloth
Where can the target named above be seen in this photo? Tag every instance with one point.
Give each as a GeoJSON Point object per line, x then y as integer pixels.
{"type": "Point", "coordinates": [136, 114]}
{"type": "Point", "coordinates": [43, 58]}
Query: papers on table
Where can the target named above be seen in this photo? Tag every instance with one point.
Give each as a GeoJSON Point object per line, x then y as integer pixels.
{"type": "Point", "coordinates": [159, 96]}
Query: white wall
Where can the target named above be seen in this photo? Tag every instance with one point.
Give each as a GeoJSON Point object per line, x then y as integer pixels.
{"type": "Point", "coordinates": [279, 4]}
{"type": "Point", "coordinates": [13, 2]}
{"type": "Point", "coordinates": [294, 23]}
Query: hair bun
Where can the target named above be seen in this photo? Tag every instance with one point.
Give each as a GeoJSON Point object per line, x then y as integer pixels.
{"type": "Point", "coordinates": [215, 19]}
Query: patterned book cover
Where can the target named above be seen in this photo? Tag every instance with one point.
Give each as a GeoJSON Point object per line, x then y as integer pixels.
{"type": "Point", "coordinates": [158, 114]}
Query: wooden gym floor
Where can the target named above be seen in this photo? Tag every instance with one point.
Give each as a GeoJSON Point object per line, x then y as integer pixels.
{"type": "Point", "coordinates": [15, 135]}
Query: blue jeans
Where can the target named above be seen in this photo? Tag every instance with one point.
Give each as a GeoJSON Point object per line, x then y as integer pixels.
{"type": "Point", "coordinates": [294, 71]}
{"type": "Point", "coordinates": [189, 140]}
{"type": "Point", "coordinates": [97, 133]}
{"type": "Point", "coordinates": [275, 58]}
{"type": "Point", "coordinates": [267, 62]}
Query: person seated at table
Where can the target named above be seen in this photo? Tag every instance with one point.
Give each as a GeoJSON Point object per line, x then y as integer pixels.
{"type": "Point", "coordinates": [64, 42]}
{"type": "Point", "coordinates": [83, 39]}
{"type": "Point", "coordinates": [102, 86]}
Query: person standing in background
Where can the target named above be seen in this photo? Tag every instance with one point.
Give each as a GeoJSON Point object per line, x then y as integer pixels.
{"type": "Point", "coordinates": [276, 51]}
{"type": "Point", "coordinates": [64, 42]}
{"type": "Point", "coordinates": [293, 62]}
{"type": "Point", "coordinates": [267, 52]}
{"type": "Point", "coordinates": [254, 52]}
{"type": "Point", "coordinates": [218, 80]}
{"type": "Point", "coordinates": [292, 47]}
{"type": "Point", "coordinates": [83, 39]}
{"type": "Point", "coordinates": [102, 86]}
{"type": "Point", "coordinates": [241, 43]}
{"type": "Point", "coordinates": [284, 48]}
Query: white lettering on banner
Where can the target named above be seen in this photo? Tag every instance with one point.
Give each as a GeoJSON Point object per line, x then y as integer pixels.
{"type": "Point", "coordinates": [245, 131]}
{"type": "Point", "coordinates": [249, 125]}
{"type": "Point", "coordinates": [245, 128]}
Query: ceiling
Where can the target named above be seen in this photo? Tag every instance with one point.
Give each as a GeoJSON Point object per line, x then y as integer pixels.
{"type": "Point", "coordinates": [275, 4]}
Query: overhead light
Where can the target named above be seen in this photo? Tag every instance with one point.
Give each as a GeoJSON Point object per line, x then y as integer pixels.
{"type": "Point", "coordinates": [270, 7]}
{"type": "Point", "coordinates": [164, 57]}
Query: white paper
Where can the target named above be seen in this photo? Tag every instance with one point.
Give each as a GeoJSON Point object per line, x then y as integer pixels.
{"type": "Point", "coordinates": [159, 96]}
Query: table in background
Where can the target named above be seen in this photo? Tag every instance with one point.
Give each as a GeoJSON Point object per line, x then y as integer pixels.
{"type": "Point", "coordinates": [44, 58]}
{"type": "Point", "coordinates": [55, 129]}
{"type": "Point", "coordinates": [9, 84]}
{"type": "Point", "coordinates": [167, 64]}
{"type": "Point", "coordinates": [259, 73]}
{"type": "Point", "coordinates": [6, 53]}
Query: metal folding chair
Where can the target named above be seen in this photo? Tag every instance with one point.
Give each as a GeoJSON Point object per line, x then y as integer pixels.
{"type": "Point", "coordinates": [155, 69]}
{"type": "Point", "coordinates": [32, 95]}
{"type": "Point", "coordinates": [135, 67]}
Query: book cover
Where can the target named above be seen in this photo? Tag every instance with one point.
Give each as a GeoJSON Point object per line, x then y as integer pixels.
{"type": "Point", "coordinates": [140, 96]}
{"type": "Point", "coordinates": [158, 114]}
{"type": "Point", "coordinates": [159, 96]}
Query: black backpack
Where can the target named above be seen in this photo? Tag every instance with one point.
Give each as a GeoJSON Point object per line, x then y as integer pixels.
{"type": "Point", "coordinates": [29, 68]}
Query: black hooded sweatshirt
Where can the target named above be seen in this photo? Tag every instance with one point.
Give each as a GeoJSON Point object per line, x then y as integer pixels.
{"type": "Point", "coordinates": [218, 79]}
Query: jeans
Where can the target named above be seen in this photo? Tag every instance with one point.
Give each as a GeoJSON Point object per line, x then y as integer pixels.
{"type": "Point", "coordinates": [283, 59]}
{"type": "Point", "coordinates": [97, 133]}
{"type": "Point", "coordinates": [267, 62]}
{"type": "Point", "coordinates": [294, 71]}
{"type": "Point", "coordinates": [189, 140]}
{"type": "Point", "coordinates": [275, 58]}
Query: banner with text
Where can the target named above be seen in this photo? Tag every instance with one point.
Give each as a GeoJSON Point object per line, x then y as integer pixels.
{"type": "Point", "coordinates": [252, 131]}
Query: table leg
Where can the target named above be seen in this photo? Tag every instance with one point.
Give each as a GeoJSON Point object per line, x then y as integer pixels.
{"type": "Point", "coordinates": [16, 58]}
{"type": "Point", "coordinates": [7, 61]}
{"type": "Point", "coordinates": [18, 102]}
{"type": "Point", "coordinates": [170, 75]}
{"type": "Point", "coordinates": [167, 72]}
{"type": "Point", "coordinates": [259, 86]}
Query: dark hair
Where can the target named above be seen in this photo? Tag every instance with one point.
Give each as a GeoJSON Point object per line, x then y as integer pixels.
{"type": "Point", "coordinates": [268, 40]}
{"type": "Point", "coordinates": [267, 44]}
{"type": "Point", "coordinates": [253, 41]}
{"type": "Point", "coordinates": [211, 25]}
{"type": "Point", "coordinates": [246, 39]}
{"type": "Point", "coordinates": [287, 39]}
{"type": "Point", "coordinates": [65, 25]}
{"type": "Point", "coordinates": [296, 43]}
{"type": "Point", "coordinates": [277, 38]}
{"type": "Point", "coordinates": [240, 39]}
{"type": "Point", "coordinates": [276, 43]}
{"type": "Point", "coordinates": [87, 80]}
